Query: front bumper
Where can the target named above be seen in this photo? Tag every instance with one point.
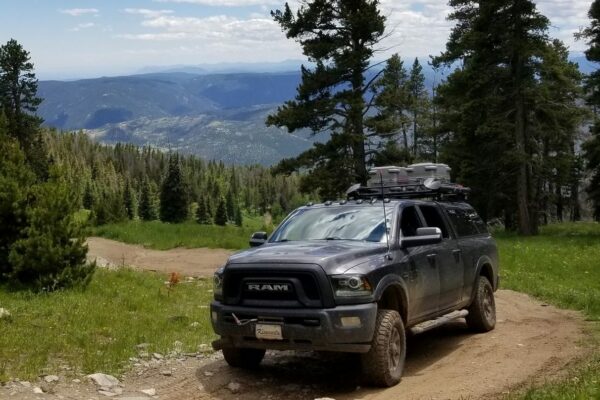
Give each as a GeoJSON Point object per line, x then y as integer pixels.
{"type": "Point", "coordinates": [302, 329]}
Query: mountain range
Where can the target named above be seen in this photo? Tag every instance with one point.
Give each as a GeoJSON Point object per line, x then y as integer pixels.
{"type": "Point", "coordinates": [191, 109]}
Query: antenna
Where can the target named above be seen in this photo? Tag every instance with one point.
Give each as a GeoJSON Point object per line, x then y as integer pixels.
{"type": "Point", "coordinates": [387, 236]}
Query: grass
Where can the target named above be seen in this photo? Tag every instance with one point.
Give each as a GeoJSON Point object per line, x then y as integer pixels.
{"type": "Point", "coordinates": [560, 266]}
{"type": "Point", "coordinates": [163, 236]}
{"type": "Point", "coordinates": [97, 329]}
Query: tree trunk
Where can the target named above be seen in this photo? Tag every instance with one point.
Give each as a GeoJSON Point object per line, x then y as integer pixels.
{"type": "Point", "coordinates": [415, 134]}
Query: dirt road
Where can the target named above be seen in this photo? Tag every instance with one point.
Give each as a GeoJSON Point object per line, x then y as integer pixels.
{"type": "Point", "coordinates": [188, 262]}
{"type": "Point", "coordinates": [532, 342]}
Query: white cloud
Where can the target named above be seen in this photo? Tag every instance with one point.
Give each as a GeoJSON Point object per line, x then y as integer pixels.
{"type": "Point", "coordinates": [146, 12]}
{"type": "Point", "coordinates": [225, 3]}
{"type": "Point", "coordinates": [77, 12]}
{"type": "Point", "coordinates": [85, 25]}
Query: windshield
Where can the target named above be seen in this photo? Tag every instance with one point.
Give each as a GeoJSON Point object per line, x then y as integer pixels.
{"type": "Point", "coordinates": [364, 223]}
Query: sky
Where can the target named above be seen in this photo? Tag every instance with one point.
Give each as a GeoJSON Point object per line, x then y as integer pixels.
{"type": "Point", "coordinates": [88, 38]}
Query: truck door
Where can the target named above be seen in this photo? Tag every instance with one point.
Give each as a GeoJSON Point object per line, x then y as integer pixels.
{"type": "Point", "coordinates": [423, 278]}
{"type": "Point", "coordinates": [448, 259]}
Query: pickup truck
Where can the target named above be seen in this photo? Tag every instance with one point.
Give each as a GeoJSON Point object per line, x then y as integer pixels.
{"type": "Point", "coordinates": [330, 279]}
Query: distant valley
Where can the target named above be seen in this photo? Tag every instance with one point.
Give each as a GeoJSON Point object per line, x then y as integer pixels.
{"type": "Point", "coordinates": [218, 116]}
{"type": "Point", "coordinates": [190, 109]}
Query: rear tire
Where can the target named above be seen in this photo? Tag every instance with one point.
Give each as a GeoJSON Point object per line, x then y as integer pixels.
{"type": "Point", "coordinates": [482, 312]}
{"type": "Point", "coordinates": [384, 363]}
{"type": "Point", "coordinates": [243, 357]}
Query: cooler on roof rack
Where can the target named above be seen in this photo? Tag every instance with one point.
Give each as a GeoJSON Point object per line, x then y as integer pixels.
{"type": "Point", "coordinates": [424, 180]}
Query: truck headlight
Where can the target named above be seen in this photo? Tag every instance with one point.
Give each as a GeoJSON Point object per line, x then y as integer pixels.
{"type": "Point", "coordinates": [350, 286]}
{"type": "Point", "coordinates": [218, 283]}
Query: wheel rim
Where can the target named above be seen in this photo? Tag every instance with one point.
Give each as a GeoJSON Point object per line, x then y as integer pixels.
{"type": "Point", "coordinates": [395, 349]}
{"type": "Point", "coordinates": [489, 309]}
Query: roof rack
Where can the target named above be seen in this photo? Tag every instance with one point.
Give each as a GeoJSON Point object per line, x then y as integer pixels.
{"type": "Point", "coordinates": [428, 189]}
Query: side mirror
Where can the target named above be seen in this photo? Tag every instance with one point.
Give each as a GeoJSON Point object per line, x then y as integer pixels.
{"type": "Point", "coordinates": [258, 239]}
{"type": "Point", "coordinates": [424, 237]}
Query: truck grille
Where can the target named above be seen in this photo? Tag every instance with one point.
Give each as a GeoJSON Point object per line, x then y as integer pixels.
{"type": "Point", "coordinates": [269, 288]}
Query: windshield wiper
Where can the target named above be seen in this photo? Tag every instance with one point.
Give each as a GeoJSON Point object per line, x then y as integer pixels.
{"type": "Point", "coordinates": [282, 241]}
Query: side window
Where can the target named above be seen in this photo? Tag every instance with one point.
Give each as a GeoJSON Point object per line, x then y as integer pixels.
{"type": "Point", "coordinates": [433, 218]}
{"type": "Point", "coordinates": [410, 221]}
{"type": "Point", "coordinates": [462, 221]}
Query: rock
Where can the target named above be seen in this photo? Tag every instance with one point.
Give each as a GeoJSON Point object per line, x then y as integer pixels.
{"type": "Point", "coordinates": [157, 356]}
{"type": "Point", "coordinates": [25, 384]}
{"type": "Point", "coordinates": [166, 372]}
{"type": "Point", "coordinates": [4, 313]}
{"type": "Point", "coordinates": [105, 380]}
{"type": "Point", "coordinates": [76, 381]}
{"type": "Point", "coordinates": [38, 390]}
{"type": "Point", "coordinates": [143, 354]}
{"type": "Point", "coordinates": [51, 378]}
{"type": "Point", "coordinates": [133, 398]}
{"type": "Point", "coordinates": [324, 398]}
{"type": "Point", "coordinates": [208, 373]}
{"type": "Point", "coordinates": [234, 387]}
{"type": "Point", "coordinates": [142, 346]}
{"type": "Point", "coordinates": [195, 324]}
{"type": "Point", "coordinates": [149, 392]}
{"type": "Point", "coordinates": [106, 393]}
{"type": "Point", "coordinates": [177, 346]}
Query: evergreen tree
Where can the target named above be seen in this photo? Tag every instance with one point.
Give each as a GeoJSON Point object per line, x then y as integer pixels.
{"type": "Point", "coordinates": [418, 102]}
{"type": "Point", "coordinates": [239, 219]}
{"type": "Point", "coordinates": [53, 239]}
{"type": "Point", "coordinates": [18, 91]}
{"type": "Point", "coordinates": [129, 201]}
{"type": "Point", "coordinates": [88, 197]}
{"type": "Point", "coordinates": [173, 194]}
{"type": "Point", "coordinates": [209, 209]}
{"type": "Point", "coordinates": [221, 214]}
{"type": "Point", "coordinates": [392, 99]}
{"type": "Point", "coordinates": [147, 210]}
{"type": "Point", "coordinates": [495, 105]}
{"type": "Point", "coordinates": [338, 37]}
{"type": "Point", "coordinates": [230, 204]}
{"type": "Point", "coordinates": [15, 179]}
{"type": "Point", "coordinates": [202, 216]}
{"type": "Point", "coordinates": [592, 146]}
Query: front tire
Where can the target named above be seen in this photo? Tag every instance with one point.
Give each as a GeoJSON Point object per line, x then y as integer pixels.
{"type": "Point", "coordinates": [482, 312]}
{"type": "Point", "coordinates": [384, 363]}
{"type": "Point", "coordinates": [243, 357]}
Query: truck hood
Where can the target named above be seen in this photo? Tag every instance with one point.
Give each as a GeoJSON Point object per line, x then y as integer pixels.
{"type": "Point", "coordinates": [335, 257]}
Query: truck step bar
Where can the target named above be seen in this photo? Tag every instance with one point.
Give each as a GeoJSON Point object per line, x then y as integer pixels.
{"type": "Point", "coordinates": [434, 323]}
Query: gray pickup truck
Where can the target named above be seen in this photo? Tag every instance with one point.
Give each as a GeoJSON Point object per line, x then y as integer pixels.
{"type": "Point", "coordinates": [330, 279]}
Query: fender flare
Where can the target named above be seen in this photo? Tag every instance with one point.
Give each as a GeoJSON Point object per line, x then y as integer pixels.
{"type": "Point", "coordinates": [395, 281]}
{"type": "Point", "coordinates": [481, 262]}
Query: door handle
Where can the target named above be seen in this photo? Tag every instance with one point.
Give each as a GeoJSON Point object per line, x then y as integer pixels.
{"type": "Point", "coordinates": [432, 259]}
{"type": "Point", "coordinates": [456, 254]}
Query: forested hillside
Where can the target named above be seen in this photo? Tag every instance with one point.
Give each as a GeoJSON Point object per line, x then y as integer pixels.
{"type": "Point", "coordinates": [125, 181]}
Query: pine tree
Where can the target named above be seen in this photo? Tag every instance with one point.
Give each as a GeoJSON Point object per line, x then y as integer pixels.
{"type": "Point", "coordinates": [230, 204]}
{"type": "Point", "coordinates": [495, 103]}
{"type": "Point", "coordinates": [15, 179]}
{"type": "Point", "coordinates": [173, 195]}
{"type": "Point", "coordinates": [418, 102]}
{"type": "Point", "coordinates": [53, 239]}
{"type": "Point", "coordinates": [392, 99]}
{"type": "Point", "coordinates": [591, 148]}
{"type": "Point", "coordinates": [202, 216]}
{"type": "Point", "coordinates": [147, 210]}
{"type": "Point", "coordinates": [338, 37]}
{"type": "Point", "coordinates": [18, 99]}
{"type": "Point", "coordinates": [221, 214]}
{"type": "Point", "coordinates": [88, 197]}
{"type": "Point", "coordinates": [239, 219]}
{"type": "Point", "coordinates": [129, 201]}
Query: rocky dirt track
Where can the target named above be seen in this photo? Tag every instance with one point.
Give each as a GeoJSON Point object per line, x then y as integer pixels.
{"type": "Point", "coordinates": [532, 342]}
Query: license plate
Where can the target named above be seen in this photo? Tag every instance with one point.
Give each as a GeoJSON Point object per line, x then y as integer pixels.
{"type": "Point", "coordinates": [268, 332]}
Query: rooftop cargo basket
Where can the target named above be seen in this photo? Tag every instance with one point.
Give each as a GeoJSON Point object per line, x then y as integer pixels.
{"type": "Point", "coordinates": [425, 180]}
